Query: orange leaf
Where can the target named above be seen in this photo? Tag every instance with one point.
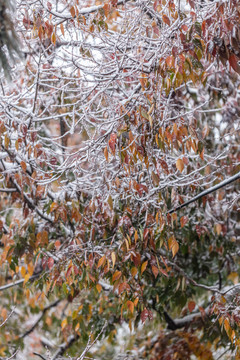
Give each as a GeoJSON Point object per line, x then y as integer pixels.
{"type": "Point", "coordinates": [143, 267]}
{"type": "Point", "coordinates": [101, 261]}
{"type": "Point", "coordinates": [191, 306]}
{"type": "Point", "coordinates": [99, 288]}
{"type": "Point", "coordinates": [170, 61]}
{"type": "Point", "coordinates": [106, 153]}
{"type": "Point", "coordinates": [57, 244]}
{"type": "Point", "coordinates": [64, 323]}
{"type": "Point", "coordinates": [130, 306]}
{"type": "Point", "coordinates": [23, 166]}
{"type": "Point", "coordinates": [180, 165]}
{"type": "Point", "coordinates": [62, 29]}
{"type": "Point", "coordinates": [106, 9]}
{"type": "Point", "coordinates": [155, 271]}
{"type": "Point", "coordinates": [173, 245]}
{"type": "Point", "coordinates": [23, 271]}
{"type": "Point", "coordinates": [72, 11]}
{"type": "Point", "coordinates": [226, 325]}
{"type": "Point", "coordinates": [116, 275]}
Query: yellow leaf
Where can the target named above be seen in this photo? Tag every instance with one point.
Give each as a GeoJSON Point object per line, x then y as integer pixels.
{"type": "Point", "coordinates": [64, 324]}
{"type": "Point", "coordinates": [23, 271]}
{"type": "Point", "coordinates": [180, 165]}
{"type": "Point", "coordinates": [62, 29]}
{"type": "Point", "coordinates": [99, 288]}
{"type": "Point", "coordinates": [53, 39]}
{"type": "Point", "coordinates": [218, 228]}
{"type": "Point", "coordinates": [134, 271]}
{"type": "Point", "coordinates": [6, 141]}
{"type": "Point", "coordinates": [113, 258]}
{"type": "Point", "coordinates": [26, 278]}
{"type": "Point", "coordinates": [130, 306]}
{"type": "Point", "coordinates": [233, 277]}
{"type": "Point", "coordinates": [143, 267]}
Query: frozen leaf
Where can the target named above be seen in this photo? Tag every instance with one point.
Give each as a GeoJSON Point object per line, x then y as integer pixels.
{"type": "Point", "coordinates": [23, 166]}
{"type": "Point", "coordinates": [62, 29]}
{"type": "Point", "coordinates": [180, 165]}
{"type": "Point", "coordinates": [166, 19]}
{"type": "Point", "coordinates": [72, 11]}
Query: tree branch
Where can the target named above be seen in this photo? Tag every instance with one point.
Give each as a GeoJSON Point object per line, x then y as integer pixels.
{"type": "Point", "coordinates": [55, 303]}
{"type": "Point", "coordinates": [206, 192]}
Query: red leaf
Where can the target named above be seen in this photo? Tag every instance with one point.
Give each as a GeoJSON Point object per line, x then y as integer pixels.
{"type": "Point", "coordinates": [183, 221]}
{"type": "Point", "coordinates": [112, 142]}
{"type": "Point", "coordinates": [191, 3]}
{"type": "Point", "coordinates": [50, 263]}
{"type": "Point", "coordinates": [234, 63]}
{"type": "Point", "coordinates": [184, 27]}
{"type": "Point", "coordinates": [136, 258]}
{"type": "Point", "coordinates": [163, 272]}
{"type": "Point", "coordinates": [144, 315]}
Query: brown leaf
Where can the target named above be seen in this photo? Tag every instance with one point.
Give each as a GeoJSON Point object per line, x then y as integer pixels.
{"type": "Point", "coordinates": [166, 19]}
{"type": "Point", "coordinates": [72, 11]}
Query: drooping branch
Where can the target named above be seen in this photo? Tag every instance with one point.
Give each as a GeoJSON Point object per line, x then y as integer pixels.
{"type": "Point", "coordinates": [206, 192]}
{"type": "Point", "coordinates": [53, 304]}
